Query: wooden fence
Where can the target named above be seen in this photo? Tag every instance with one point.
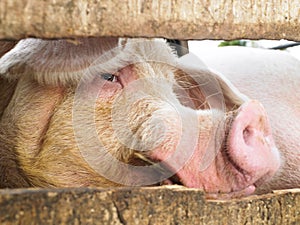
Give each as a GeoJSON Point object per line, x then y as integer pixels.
{"type": "Point", "coordinates": [176, 19]}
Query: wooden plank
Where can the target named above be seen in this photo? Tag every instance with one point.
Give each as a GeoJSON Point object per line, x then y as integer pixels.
{"type": "Point", "coordinates": [175, 19]}
{"type": "Point", "coordinates": [154, 205]}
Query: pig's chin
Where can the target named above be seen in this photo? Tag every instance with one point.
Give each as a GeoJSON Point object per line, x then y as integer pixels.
{"type": "Point", "coordinates": [224, 179]}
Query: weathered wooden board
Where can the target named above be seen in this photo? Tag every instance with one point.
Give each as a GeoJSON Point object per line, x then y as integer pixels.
{"type": "Point", "coordinates": [177, 19]}
{"type": "Point", "coordinates": [156, 205]}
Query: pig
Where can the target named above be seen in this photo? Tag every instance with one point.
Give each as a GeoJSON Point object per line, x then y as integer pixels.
{"type": "Point", "coordinates": [108, 112]}
{"type": "Point", "coordinates": [272, 77]}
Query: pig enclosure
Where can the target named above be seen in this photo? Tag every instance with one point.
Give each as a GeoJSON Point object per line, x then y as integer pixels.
{"type": "Point", "coordinates": [195, 19]}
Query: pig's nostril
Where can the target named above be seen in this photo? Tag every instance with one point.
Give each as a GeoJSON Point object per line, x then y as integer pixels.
{"type": "Point", "coordinates": [246, 135]}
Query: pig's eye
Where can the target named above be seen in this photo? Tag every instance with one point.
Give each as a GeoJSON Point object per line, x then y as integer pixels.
{"type": "Point", "coordinates": [109, 77]}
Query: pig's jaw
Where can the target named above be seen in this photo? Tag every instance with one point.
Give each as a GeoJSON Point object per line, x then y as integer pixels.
{"type": "Point", "coordinates": [221, 179]}
{"type": "Point", "coordinates": [248, 159]}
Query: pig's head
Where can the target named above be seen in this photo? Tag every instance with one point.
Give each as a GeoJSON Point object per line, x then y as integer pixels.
{"type": "Point", "coordinates": [108, 112]}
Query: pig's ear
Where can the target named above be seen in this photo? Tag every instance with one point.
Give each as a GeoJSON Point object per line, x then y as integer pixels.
{"type": "Point", "coordinates": [210, 87]}
{"type": "Point", "coordinates": [53, 62]}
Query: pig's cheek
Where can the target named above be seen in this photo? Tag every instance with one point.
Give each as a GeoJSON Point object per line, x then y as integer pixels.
{"type": "Point", "coordinates": [108, 91]}
{"type": "Point", "coordinates": [104, 89]}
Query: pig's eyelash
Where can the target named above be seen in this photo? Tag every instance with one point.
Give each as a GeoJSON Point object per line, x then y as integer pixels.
{"type": "Point", "coordinates": [109, 77]}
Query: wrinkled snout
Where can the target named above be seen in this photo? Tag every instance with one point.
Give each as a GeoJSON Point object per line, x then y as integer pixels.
{"type": "Point", "coordinates": [250, 142]}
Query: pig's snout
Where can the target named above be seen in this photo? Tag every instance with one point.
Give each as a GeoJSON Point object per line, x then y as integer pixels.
{"type": "Point", "coordinates": [251, 148]}
{"type": "Point", "coordinates": [250, 139]}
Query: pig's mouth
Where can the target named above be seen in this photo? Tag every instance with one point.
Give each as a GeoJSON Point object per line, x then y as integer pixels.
{"type": "Point", "coordinates": [240, 180]}
{"type": "Point", "coordinates": [174, 180]}
{"type": "Point", "coordinates": [226, 154]}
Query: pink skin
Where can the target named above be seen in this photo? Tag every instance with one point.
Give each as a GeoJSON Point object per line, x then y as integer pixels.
{"type": "Point", "coordinates": [251, 144]}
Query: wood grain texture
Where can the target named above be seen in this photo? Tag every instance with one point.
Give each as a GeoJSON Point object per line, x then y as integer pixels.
{"type": "Point", "coordinates": [156, 205]}
{"type": "Point", "coordinates": [175, 19]}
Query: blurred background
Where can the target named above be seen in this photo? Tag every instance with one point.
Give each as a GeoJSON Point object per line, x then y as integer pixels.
{"type": "Point", "coordinates": [205, 47]}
